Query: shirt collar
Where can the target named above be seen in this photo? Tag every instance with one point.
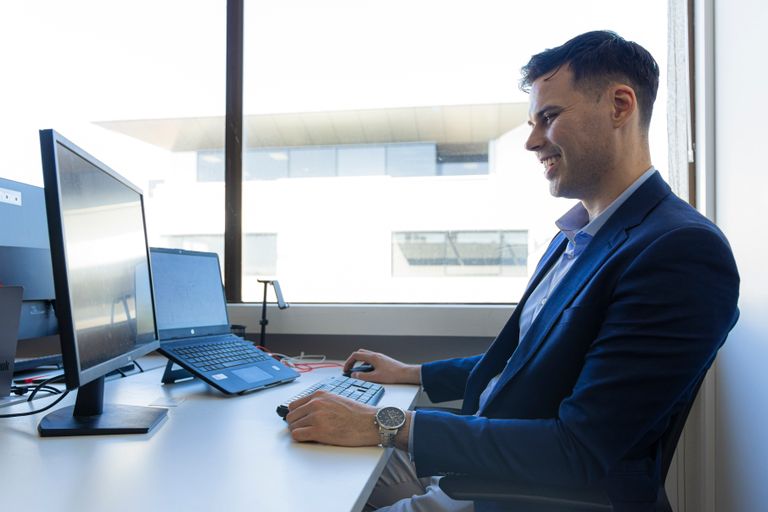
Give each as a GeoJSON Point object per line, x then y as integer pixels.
{"type": "Point", "coordinates": [576, 220]}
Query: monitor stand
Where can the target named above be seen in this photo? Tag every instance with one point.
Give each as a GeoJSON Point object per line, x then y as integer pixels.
{"type": "Point", "coordinates": [90, 416]}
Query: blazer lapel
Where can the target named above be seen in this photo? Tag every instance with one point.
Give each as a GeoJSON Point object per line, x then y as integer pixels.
{"type": "Point", "coordinates": [607, 240]}
{"type": "Point", "coordinates": [553, 252]}
{"type": "Point", "coordinates": [506, 341]}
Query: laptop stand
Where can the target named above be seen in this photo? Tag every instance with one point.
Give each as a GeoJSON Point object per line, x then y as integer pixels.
{"type": "Point", "coordinates": [171, 376]}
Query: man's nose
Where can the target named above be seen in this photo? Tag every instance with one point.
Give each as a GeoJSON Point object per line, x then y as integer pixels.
{"type": "Point", "coordinates": [535, 140]}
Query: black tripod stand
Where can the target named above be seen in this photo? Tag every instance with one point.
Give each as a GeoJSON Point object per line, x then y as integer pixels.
{"type": "Point", "coordinates": [281, 304]}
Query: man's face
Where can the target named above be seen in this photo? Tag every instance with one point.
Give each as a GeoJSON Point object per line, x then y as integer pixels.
{"type": "Point", "coordinates": [570, 134]}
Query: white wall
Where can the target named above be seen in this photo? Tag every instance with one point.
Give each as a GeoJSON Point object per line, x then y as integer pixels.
{"type": "Point", "coordinates": [741, 382]}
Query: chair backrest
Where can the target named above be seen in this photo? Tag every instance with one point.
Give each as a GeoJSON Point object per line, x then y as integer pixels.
{"type": "Point", "coordinates": [672, 435]}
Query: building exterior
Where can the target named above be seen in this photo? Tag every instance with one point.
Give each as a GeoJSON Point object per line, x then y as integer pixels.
{"type": "Point", "coordinates": [423, 204]}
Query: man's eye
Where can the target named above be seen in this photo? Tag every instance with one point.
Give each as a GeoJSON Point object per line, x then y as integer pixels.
{"type": "Point", "coordinates": [548, 118]}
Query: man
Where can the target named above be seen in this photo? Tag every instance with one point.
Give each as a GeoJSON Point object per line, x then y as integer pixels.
{"type": "Point", "coordinates": [625, 311]}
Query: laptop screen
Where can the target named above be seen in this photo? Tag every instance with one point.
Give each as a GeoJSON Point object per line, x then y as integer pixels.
{"type": "Point", "coordinates": [189, 296]}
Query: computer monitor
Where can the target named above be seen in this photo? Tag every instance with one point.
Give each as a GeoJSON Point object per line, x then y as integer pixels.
{"type": "Point", "coordinates": [25, 260]}
{"type": "Point", "coordinates": [102, 279]}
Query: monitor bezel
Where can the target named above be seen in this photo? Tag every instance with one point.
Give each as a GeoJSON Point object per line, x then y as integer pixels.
{"type": "Point", "coordinates": [75, 375]}
{"type": "Point", "coordinates": [172, 334]}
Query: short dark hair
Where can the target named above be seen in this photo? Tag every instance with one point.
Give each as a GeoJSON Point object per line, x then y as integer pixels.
{"type": "Point", "coordinates": [596, 59]}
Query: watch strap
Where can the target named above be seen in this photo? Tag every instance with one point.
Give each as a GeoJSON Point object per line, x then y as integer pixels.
{"type": "Point", "coordinates": [387, 437]}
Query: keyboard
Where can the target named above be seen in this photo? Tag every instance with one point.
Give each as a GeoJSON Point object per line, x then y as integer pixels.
{"type": "Point", "coordinates": [217, 355]}
{"type": "Point", "coordinates": [356, 389]}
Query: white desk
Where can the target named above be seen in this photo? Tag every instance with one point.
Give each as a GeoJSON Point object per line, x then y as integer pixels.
{"type": "Point", "coordinates": [212, 453]}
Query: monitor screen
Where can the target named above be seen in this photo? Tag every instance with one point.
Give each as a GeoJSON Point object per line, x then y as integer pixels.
{"type": "Point", "coordinates": [105, 255]}
{"type": "Point", "coordinates": [25, 260]}
{"type": "Point", "coordinates": [100, 263]}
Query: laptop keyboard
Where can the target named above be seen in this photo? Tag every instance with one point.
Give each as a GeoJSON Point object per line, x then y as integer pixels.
{"type": "Point", "coordinates": [218, 355]}
{"type": "Point", "coordinates": [356, 389]}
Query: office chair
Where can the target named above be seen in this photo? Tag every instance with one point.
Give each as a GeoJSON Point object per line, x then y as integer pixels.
{"type": "Point", "coordinates": [542, 498]}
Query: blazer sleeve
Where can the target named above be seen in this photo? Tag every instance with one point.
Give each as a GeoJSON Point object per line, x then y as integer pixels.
{"type": "Point", "coordinates": [445, 380]}
{"type": "Point", "coordinates": [669, 312]}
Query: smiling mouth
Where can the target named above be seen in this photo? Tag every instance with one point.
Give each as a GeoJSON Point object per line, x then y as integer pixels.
{"type": "Point", "coordinates": [550, 161]}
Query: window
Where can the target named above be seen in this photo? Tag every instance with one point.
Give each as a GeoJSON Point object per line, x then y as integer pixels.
{"type": "Point", "coordinates": [412, 160]}
{"type": "Point", "coordinates": [124, 75]}
{"type": "Point", "coordinates": [261, 248]}
{"type": "Point", "coordinates": [364, 124]}
{"type": "Point", "coordinates": [362, 160]}
{"type": "Point", "coordinates": [349, 160]}
{"type": "Point", "coordinates": [409, 130]}
{"type": "Point", "coordinates": [312, 162]}
{"type": "Point", "coordinates": [460, 253]}
{"type": "Point", "coordinates": [210, 166]}
{"type": "Point", "coordinates": [204, 243]}
{"type": "Point", "coordinates": [268, 164]}
{"type": "Point", "coordinates": [462, 159]}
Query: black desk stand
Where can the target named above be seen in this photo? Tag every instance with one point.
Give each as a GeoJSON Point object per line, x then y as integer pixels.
{"type": "Point", "coordinates": [281, 304]}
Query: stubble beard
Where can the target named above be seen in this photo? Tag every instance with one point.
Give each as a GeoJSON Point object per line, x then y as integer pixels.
{"type": "Point", "coordinates": [580, 181]}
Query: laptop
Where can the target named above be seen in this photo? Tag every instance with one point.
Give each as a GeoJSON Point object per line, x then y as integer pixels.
{"type": "Point", "coordinates": [10, 311]}
{"type": "Point", "coordinates": [194, 328]}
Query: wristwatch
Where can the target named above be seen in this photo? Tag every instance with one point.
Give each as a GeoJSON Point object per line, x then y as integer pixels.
{"type": "Point", "coordinates": [390, 420]}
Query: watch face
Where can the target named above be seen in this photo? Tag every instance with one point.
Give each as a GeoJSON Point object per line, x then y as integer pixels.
{"type": "Point", "coordinates": [390, 417]}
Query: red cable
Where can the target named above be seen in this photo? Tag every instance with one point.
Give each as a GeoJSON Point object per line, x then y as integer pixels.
{"type": "Point", "coordinates": [301, 367]}
{"type": "Point", "coordinates": [308, 367]}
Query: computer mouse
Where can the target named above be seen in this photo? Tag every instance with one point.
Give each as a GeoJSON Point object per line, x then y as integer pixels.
{"type": "Point", "coordinates": [364, 367]}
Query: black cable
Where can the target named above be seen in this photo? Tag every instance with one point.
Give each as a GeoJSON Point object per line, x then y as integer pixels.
{"type": "Point", "coordinates": [23, 390]}
{"type": "Point", "coordinates": [50, 389]}
{"type": "Point", "coordinates": [29, 413]}
{"type": "Point", "coordinates": [19, 390]}
{"type": "Point", "coordinates": [44, 383]}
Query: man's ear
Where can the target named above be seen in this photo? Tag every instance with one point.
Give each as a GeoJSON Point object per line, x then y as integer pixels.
{"type": "Point", "coordinates": [624, 104]}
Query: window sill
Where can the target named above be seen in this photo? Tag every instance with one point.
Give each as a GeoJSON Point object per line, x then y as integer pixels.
{"type": "Point", "coordinates": [445, 320]}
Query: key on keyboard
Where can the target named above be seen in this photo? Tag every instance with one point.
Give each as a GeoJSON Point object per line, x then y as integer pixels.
{"type": "Point", "coordinates": [356, 389]}
{"type": "Point", "coordinates": [218, 355]}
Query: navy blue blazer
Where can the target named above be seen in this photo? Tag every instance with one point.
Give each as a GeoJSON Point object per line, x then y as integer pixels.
{"type": "Point", "coordinates": [610, 357]}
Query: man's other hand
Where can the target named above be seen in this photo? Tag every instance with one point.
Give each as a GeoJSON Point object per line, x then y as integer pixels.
{"type": "Point", "coordinates": [385, 369]}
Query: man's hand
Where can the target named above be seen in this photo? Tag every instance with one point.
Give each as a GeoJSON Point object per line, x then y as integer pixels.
{"type": "Point", "coordinates": [386, 370]}
{"type": "Point", "coordinates": [330, 419]}
{"type": "Point", "coordinates": [326, 418]}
